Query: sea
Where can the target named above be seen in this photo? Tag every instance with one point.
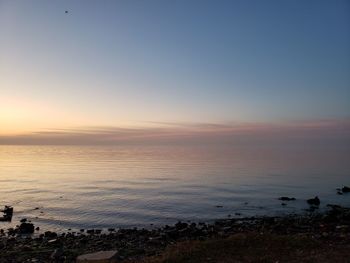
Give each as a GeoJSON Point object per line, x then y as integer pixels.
{"type": "Point", "coordinates": [62, 188]}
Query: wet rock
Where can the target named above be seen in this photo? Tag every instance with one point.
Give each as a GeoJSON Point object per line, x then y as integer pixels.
{"type": "Point", "coordinates": [26, 228]}
{"type": "Point", "coordinates": [314, 201]}
{"type": "Point", "coordinates": [99, 257]}
{"type": "Point", "coordinates": [50, 234]}
{"type": "Point", "coordinates": [90, 231]}
{"type": "Point", "coordinates": [345, 189]}
{"type": "Point", "coordinates": [179, 225]}
{"type": "Point", "coordinates": [285, 198]}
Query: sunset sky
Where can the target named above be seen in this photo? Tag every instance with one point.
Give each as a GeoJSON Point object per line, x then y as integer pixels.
{"type": "Point", "coordinates": [178, 66]}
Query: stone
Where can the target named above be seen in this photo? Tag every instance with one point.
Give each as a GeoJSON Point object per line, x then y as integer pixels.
{"type": "Point", "coordinates": [26, 228]}
{"type": "Point", "coordinates": [346, 189]}
{"type": "Point", "coordinates": [90, 231]}
{"type": "Point", "coordinates": [285, 198]}
{"type": "Point", "coordinates": [57, 253]}
{"type": "Point", "coordinates": [109, 256]}
{"type": "Point", "coordinates": [314, 201]}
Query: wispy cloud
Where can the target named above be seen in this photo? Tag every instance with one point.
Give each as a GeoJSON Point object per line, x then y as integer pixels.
{"type": "Point", "coordinates": [197, 133]}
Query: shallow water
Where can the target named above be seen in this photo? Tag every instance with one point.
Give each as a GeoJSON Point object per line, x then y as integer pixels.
{"type": "Point", "coordinates": [101, 186]}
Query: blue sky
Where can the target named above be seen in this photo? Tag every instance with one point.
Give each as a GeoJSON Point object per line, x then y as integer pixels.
{"type": "Point", "coordinates": [120, 63]}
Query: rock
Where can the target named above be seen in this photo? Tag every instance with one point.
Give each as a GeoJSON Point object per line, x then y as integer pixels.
{"type": "Point", "coordinates": [50, 234]}
{"type": "Point", "coordinates": [52, 241]}
{"type": "Point", "coordinates": [37, 228]}
{"type": "Point", "coordinates": [99, 257]}
{"type": "Point", "coordinates": [285, 198]}
{"type": "Point", "coordinates": [26, 248]}
{"type": "Point", "coordinates": [23, 220]}
{"type": "Point", "coordinates": [90, 231]}
{"type": "Point", "coordinates": [57, 254]}
{"type": "Point", "coordinates": [314, 201]}
{"type": "Point", "coordinates": [179, 225]}
{"type": "Point", "coordinates": [346, 189]}
{"type": "Point", "coordinates": [26, 228]}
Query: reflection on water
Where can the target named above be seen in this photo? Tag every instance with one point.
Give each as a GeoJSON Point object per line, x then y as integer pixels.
{"type": "Point", "coordinates": [60, 187]}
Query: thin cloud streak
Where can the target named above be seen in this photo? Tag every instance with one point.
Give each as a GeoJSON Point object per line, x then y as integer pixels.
{"type": "Point", "coordinates": [191, 133]}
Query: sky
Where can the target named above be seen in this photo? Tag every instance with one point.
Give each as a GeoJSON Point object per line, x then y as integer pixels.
{"type": "Point", "coordinates": [171, 65]}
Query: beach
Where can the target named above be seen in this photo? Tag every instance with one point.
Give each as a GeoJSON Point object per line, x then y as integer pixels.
{"type": "Point", "coordinates": [308, 237]}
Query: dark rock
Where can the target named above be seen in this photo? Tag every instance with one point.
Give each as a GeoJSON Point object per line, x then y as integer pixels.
{"type": "Point", "coordinates": [346, 189]}
{"type": "Point", "coordinates": [179, 225]}
{"type": "Point", "coordinates": [50, 234]}
{"type": "Point", "coordinates": [90, 231]}
{"type": "Point", "coordinates": [23, 220]}
{"type": "Point", "coordinates": [26, 248]}
{"type": "Point", "coordinates": [37, 228]}
{"type": "Point", "coordinates": [285, 198]}
{"type": "Point", "coordinates": [26, 228]}
{"type": "Point", "coordinates": [57, 254]}
{"type": "Point", "coordinates": [314, 201]}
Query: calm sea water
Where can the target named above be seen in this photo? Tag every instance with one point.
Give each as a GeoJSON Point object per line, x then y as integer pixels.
{"type": "Point", "coordinates": [99, 187]}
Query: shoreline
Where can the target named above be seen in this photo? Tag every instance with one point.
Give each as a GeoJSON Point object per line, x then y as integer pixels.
{"type": "Point", "coordinates": [139, 245]}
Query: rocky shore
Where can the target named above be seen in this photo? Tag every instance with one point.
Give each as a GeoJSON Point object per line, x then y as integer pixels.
{"type": "Point", "coordinates": [134, 245]}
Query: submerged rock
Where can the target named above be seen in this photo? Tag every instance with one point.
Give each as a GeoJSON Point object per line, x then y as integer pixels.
{"type": "Point", "coordinates": [314, 201]}
{"type": "Point", "coordinates": [285, 198]}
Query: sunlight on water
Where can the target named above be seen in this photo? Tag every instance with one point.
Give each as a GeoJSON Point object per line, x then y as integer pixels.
{"type": "Point", "coordinates": [60, 187]}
